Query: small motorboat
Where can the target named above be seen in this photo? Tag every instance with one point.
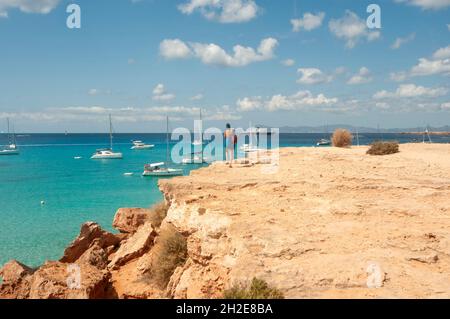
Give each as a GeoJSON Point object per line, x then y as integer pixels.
{"type": "Point", "coordinates": [159, 169]}
{"type": "Point", "coordinates": [139, 145]}
{"type": "Point", "coordinates": [324, 142]}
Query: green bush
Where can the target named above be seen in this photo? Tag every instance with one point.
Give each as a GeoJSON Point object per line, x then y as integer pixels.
{"type": "Point", "coordinates": [384, 148]}
{"type": "Point", "coordinates": [170, 252]}
{"type": "Point", "coordinates": [259, 289]}
{"type": "Point", "coordinates": [159, 212]}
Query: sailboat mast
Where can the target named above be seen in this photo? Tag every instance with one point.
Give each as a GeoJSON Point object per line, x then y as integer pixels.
{"type": "Point", "coordinates": [9, 134]}
{"type": "Point", "coordinates": [110, 133]}
{"type": "Point", "coordinates": [167, 140]}
{"type": "Point", "coordinates": [201, 133]}
{"type": "Point", "coordinates": [357, 135]}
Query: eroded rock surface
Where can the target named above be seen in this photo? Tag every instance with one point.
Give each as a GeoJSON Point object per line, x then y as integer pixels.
{"type": "Point", "coordinates": [90, 233]}
{"type": "Point", "coordinates": [328, 223]}
{"type": "Point", "coordinates": [128, 220]}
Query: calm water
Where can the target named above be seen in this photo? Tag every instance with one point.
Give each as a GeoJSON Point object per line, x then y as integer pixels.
{"type": "Point", "coordinates": [76, 191]}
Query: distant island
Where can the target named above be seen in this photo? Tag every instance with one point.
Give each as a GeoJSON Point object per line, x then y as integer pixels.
{"type": "Point", "coordinates": [443, 130]}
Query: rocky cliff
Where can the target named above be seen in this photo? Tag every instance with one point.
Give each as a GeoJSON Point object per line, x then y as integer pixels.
{"type": "Point", "coordinates": [324, 223]}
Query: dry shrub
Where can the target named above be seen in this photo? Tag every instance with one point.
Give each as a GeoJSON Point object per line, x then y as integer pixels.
{"type": "Point", "coordinates": [159, 212]}
{"type": "Point", "coordinates": [259, 289]}
{"type": "Point", "coordinates": [342, 138]}
{"type": "Point", "coordinates": [383, 148]}
{"type": "Point", "coordinates": [170, 252]}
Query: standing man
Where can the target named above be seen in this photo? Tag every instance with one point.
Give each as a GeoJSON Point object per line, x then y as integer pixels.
{"type": "Point", "coordinates": [230, 142]}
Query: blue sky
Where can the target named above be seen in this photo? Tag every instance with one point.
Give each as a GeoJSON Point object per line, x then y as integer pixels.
{"type": "Point", "coordinates": [143, 59]}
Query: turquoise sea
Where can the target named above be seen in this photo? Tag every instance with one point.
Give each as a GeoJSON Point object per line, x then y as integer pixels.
{"type": "Point", "coordinates": [76, 191]}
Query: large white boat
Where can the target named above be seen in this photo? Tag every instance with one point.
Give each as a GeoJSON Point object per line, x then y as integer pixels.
{"type": "Point", "coordinates": [108, 153]}
{"type": "Point", "coordinates": [139, 145]}
{"type": "Point", "coordinates": [11, 149]}
{"type": "Point", "coordinates": [252, 146]}
{"type": "Point", "coordinates": [161, 169]}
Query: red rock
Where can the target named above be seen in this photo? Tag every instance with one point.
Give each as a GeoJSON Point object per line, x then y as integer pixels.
{"type": "Point", "coordinates": [89, 233]}
{"type": "Point", "coordinates": [128, 220]}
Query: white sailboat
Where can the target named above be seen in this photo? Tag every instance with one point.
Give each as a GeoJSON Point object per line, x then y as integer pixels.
{"type": "Point", "coordinates": [108, 153]}
{"type": "Point", "coordinates": [11, 149]}
{"type": "Point", "coordinates": [200, 141]}
{"type": "Point", "coordinates": [196, 158]}
{"type": "Point", "coordinates": [161, 169]}
{"type": "Point", "coordinates": [324, 141]}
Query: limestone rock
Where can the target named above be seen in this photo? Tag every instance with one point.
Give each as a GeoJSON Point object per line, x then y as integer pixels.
{"type": "Point", "coordinates": [134, 247]}
{"type": "Point", "coordinates": [128, 220]}
{"type": "Point", "coordinates": [14, 271]}
{"type": "Point", "coordinates": [16, 283]}
{"type": "Point", "coordinates": [89, 233]}
{"type": "Point", "coordinates": [56, 280]}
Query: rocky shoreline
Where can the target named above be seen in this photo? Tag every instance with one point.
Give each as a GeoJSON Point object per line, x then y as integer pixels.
{"type": "Point", "coordinates": [330, 223]}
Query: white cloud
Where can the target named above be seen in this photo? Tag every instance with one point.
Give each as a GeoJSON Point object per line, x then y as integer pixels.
{"type": "Point", "coordinates": [174, 49]}
{"type": "Point", "coordinates": [249, 104]}
{"type": "Point", "coordinates": [223, 113]}
{"type": "Point", "coordinates": [288, 62]}
{"type": "Point", "coordinates": [27, 6]}
{"type": "Point", "coordinates": [448, 27]}
{"type": "Point", "coordinates": [445, 106]}
{"type": "Point", "coordinates": [309, 22]}
{"type": "Point", "coordinates": [411, 91]}
{"type": "Point", "coordinates": [212, 54]}
{"type": "Point", "coordinates": [93, 92]}
{"type": "Point", "coordinates": [430, 67]}
{"type": "Point", "coordinates": [401, 41]}
{"type": "Point", "coordinates": [224, 11]}
{"type": "Point", "coordinates": [160, 94]}
{"type": "Point", "coordinates": [382, 105]}
{"type": "Point", "coordinates": [363, 76]}
{"type": "Point", "coordinates": [442, 53]}
{"type": "Point", "coordinates": [427, 4]}
{"type": "Point", "coordinates": [197, 97]}
{"type": "Point", "coordinates": [123, 114]}
{"type": "Point", "coordinates": [352, 29]}
{"type": "Point", "coordinates": [398, 76]}
{"type": "Point", "coordinates": [298, 101]}
{"type": "Point", "coordinates": [312, 76]}
{"type": "Point", "coordinates": [439, 63]}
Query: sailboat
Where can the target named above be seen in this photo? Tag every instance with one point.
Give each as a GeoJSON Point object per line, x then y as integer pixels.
{"type": "Point", "coordinates": [427, 134]}
{"type": "Point", "coordinates": [324, 141]}
{"type": "Point", "coordinates": [196, 158]}
{"type": "Point", "coordinates": [161, 169]}
{"type": "Point", "coordinates": [11, 149]}
{"type": "Point", "coordinates": [108, 153]}
{"type": "Point", "coordinates": [200, 141]}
